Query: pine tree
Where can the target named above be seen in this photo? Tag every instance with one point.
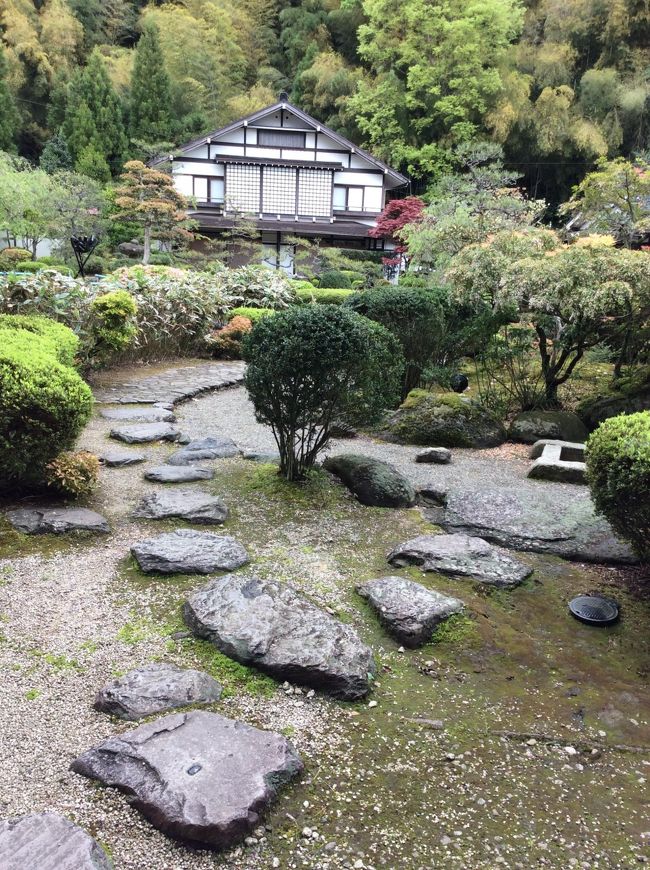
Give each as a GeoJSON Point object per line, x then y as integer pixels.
{"type": "Point", "coordinates": [150, 107]}
{"type": "Point", "coordinates": [92, 163]}
{"type": "Point", "coordinates": [9, 118]}
{"type": "Point", "coordinates": [94, 114]}
{"type": "Point", "coordinates": [56, 155]}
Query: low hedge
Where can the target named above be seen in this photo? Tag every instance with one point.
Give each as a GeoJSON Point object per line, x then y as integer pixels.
{"type": "Point", "coordinates": [44, 406]}
{"type": "Point", "coordinates": [64, 342]}
{"type": "Point", "coordinates": [618, 472]}
{"type": "Point", "coordinates": [253, 314]}
{"type": "Point", "coordinates": [323, 295]}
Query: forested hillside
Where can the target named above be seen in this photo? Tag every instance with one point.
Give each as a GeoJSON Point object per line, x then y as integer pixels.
{"type": "Point", "coordinates": [559, 83]}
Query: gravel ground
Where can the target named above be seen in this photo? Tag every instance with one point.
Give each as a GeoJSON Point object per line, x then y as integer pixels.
{"type": "Point", "coordinates": [422, 779]}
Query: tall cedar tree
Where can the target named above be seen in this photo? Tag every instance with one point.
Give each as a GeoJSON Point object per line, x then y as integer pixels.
{"type": "Point", "coordinates": [9, 118]}
{"type": "Point", "coordinates": [151, 98]}
{"type": "Point", "coordinates": [94, 114]}
{"type": "Point", "coordinates": [148, 198]}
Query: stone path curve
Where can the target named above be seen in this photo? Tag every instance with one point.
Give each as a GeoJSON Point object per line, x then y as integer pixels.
{"type": "Point", "coordinates": [173, 385]}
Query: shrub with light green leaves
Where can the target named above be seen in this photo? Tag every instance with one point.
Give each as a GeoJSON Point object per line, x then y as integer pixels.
{"type": "Point", "coordinates": [618, 472]}
{"type": "Point", "coordinates": [113, 323]}
{"type": "Point", "coordinates": [323, 295]}
{"type": "Point", "coordinates": [64, 342]}
{"type": "Point", "coordinates": [253, 314]}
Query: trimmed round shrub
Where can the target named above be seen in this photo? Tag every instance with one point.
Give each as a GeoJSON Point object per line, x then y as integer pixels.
{"type": "Point", "coordinates": [63, 341]}
{"type": "Point", "coordinates": [44, 407]}
{"type": "Point", "coordinates": [252, 314]}
{"type": "Point", "coordinates": [335, 279]}
{"type": "Point", "coordinates": [618, 472]}
{"type": "Point", "coordinates": [312, 366]}
{"type": "Point", "coordinates": [12, 258]}
{"type": "Point", "coordinates": [112, 317]}
{"type": "Point", "coordinates": [39, 266]}
{"type": "Point", "coordinates": [323, 295]}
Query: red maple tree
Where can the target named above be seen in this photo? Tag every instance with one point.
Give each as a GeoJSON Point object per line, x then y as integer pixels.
{"type": "Point", "coordinates": [396, 214]}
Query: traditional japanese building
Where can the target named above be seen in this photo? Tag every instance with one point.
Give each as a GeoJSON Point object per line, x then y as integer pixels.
{"type": "Point", "coordinates": [292, 175]}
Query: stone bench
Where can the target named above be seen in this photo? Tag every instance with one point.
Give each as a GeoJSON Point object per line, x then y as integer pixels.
{"type": "Point", "coordinates": [562, 461]}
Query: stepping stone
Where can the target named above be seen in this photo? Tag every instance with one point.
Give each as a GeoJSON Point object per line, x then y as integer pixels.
{"type": "Point", "coordinates": [47, 841]}
{"type": "Point", "coordinates": [156, 689]}
{"type": "Point", "coordinates": [139, 414]}
{"type": "Point", "coordinates": [57, 521]}
{"type": "Point", "coordinates": [461, 556]}
{"type": "Point", "coordinates": [271, 626]}
{"type": "Point", "coordinates": [187, 551]}
{"type": "Point", "coordinates": [141, 433]}
{"type": "Point", "coordinates": [185, 504]}
{"type": "Point", "coordinates": [436, 455]}
{"type": "Point", "coordinates": [374, 482]}
{"type": "Point", "coordinates": [121, 458]}
{"type": "Point", "coordinates": [197, 775]}
{"type": "Point", "coordinates": [260, 456]}
{"type": "Point", "coordinates": [410, 611]}
{"type": "Point", "coordinates": [214, 447]}
{"type": "Point", "coordinates": [178, 473]}
{"type": "Point", "coordinates": [562, 461]}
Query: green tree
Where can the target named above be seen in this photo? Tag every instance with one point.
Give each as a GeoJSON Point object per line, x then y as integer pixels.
{"type": "Point", "coordinates": [55, 155]}
{"type": "Point", "coordinates": [9, 118]}
{"type": "Point", "coordinates": [150, 104]}
{"type": "Point", "coordinates": [92, 163]}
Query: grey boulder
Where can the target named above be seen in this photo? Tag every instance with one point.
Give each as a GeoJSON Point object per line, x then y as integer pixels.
{"type": "Point", "coordinates": [410, 611]}
{"type": "Point", "coordinates": [186, 504]}
{"type": "Point", "coordinates": [373, 481]}
{"type": "Point", "coordinates": [141, 433]}
{"type": "Point", "coordinates": [121, 458]}
{"type": "Point", "coordinates": [47, 841]}
{"type": "Point", "coordinates": [213, 447]}
{"type": "Point", "coordinates": [139, 414]}
{"type": "Point", "coordinates": [187, 551]}
{"type": "Point", "coordinates": [461, 556]}
{"type": "Point", "coordinates": [271, 626]}
{"type": "Point", "coordinates": [436, 455]}
{"type": "Point", "coordinates": [57, 521]}
{"type": "Point", "coordinates": [156, 689]}
{"type": "Point", "coordinates": [196, 776]}
{"type": "Point", "coordinates": [178, 473]}
{"type": "Point", "coordinates": [261, 456]}
{"type": "Point", "coordinates": [530, 426]}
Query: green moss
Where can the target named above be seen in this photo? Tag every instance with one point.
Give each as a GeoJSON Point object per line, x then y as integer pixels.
{"type": "Point", "coordinates": [135, 632]}
{"type": "Point", "coordinates": [32, 694]}
{"type": "Point", "coordinates": [444, 420]}
{"type": "Point", "coordinates": [233, 676]}
{"type": "Point", "coordinates": [459, 630]}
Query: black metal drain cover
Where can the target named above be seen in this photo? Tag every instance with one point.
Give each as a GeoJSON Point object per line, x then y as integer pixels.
{"type": "Point", "coordinates": [594, 609]}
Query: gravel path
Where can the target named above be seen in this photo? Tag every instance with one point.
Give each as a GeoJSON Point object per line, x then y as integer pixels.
{"type": "Point", "coordinates": [380, 790]}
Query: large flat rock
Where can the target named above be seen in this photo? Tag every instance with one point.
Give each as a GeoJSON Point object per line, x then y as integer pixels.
{"type": "Point", "coordinates": [121, 458]}
{"type": "Point", "coordinates": [187, 551]}
{"type": "Point", "coordinates": [156, 688]}
{"type": "Point", "coordinates": [549, 519]}
{"type": "Point", "coordinates": [410, 611]}
{"type": "Point", "coordinates": [270, 625]}
{"type": "Point", "coordinates": [141, 414]}
{"type": "Point", "coordinates": [212, 447]}
{"type": "Point", "coordinates": [461, 556]}
{"type": "Point", "coordinates": [57, 521]}
{"type": "Point", "coordinates": [49, 842]}
{"type": "Point", "coordinates": [197, 776]}
{"type": "Point", "coordinates": [178, 473]}
{"type": "Point", "coordinates": [142, 433]}
{"type": "Point", "coordinates": [373, 481]}
{"type": "Point", "coordinates": [186, 504]}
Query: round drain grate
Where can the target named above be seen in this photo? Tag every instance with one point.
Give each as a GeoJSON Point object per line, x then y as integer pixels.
{"type": "Point", "coordinates": [594, 609]}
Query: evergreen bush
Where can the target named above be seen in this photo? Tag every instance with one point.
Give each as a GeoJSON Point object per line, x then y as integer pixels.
{"type": "Point", "coordinates": [323, 295]}
{"type": "Point", "coordinates": [62, 341]}
{"type": "Point", "coordinates": [618, 472]}
{"type": "Point", "coordinates": [113, 323]}
{"type": "Point", "coordinates": [334, 278]}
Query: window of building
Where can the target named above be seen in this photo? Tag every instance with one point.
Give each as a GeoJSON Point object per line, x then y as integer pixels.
{"type": "Point", "coordinates": [315, 192]}
{"type": "Point", "coordinates": [243, 187]}
{"type": "Point", "coordinates": [217, 190]}
{"type": "Point", "coordinates": [278, 190]}
{"type": "Point", "coordinates": [280, 139]}
{"type": "Point", "coordinates": [340, 197]}
{"type": "Point", "coordinates": [355, 199]}
{"type": "Point", "coordinates": [200, 192]}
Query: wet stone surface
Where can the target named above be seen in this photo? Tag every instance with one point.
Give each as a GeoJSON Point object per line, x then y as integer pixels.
{"type": "Point", "coordinates": [212, 447]}
{"type": "Point", "coordinates": [142, 433]}
{"type": "Point", "coordinates": [173, 385]}
{"type": "Point", "coordinates": [187, 551]}
{"type": "Point", "coordinates": [49, 842]}
{"type": "Point", "coordinates": [192, 505]}
{"type": "Point", "coordinates": [121, 458]}
{"type": "Point", "coordinates": [141, 414]}
{"type": "Point", "coordinates": [57, 521]}
{"type": "Point", "coordinates": [177, 474]}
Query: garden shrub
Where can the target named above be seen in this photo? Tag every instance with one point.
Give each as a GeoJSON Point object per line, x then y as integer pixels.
{"type": "Point", "coordinates": [226, 342]}
{"type": "Point", "coordinates": [45, 404]}
{"type": "Point", "coordinates": [256, 286]}
{"type": "Point", "coordinates": [39, 266]}
{"type": "Point", "coordinates": [63, 341]}
{"type": "Point", "coordinates": [113, 327]}
{"type": "Point", "coordinates": [13, 258]}
{"type": "Point", "coordinates": [315, 365]}
{"type": "Point", "coordinates": [253, 314]}
{"type": "Point", "coordinates": [323, 295]}
{"type": "Point", "coordinates": [73, 473]}
{"type": "Point", "coordinates": [334, 278]}
{"type": "Point", "coordinates": [298, 284]}
{"type": "Point", "coordinates": [618, 472]}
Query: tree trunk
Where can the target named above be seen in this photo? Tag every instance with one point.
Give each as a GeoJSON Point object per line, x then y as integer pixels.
{"type": "Point", "coordinates": [147, 246]}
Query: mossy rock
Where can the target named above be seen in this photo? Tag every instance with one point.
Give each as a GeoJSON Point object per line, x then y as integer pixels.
{"type": "Point", "coordinates": [373, 481]}
{"type": "Point", "coordinates": [443, 420]}
{"type": "Point", "coordinates": [596, 409]}
{"type": "Point", "coordinates": [530, 426]}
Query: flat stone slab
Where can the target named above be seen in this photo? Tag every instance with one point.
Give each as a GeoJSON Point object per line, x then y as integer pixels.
{"type": "Point", "coordinates": [212, 447]}
{"type": "Point", "coordinates": [57, 521]}
{"type": "Point", "coordinates": [539, 446]}
{"type": "Point", "coordinates": [156, 688]}
{"type": "Point", "coordinates": [187, 551]}
{"type": "Point", "coordinates": [434, 455]}
{"type": "Point", "coordinates": [261, 456]}
{"type": "Point", "coordinates": [47, 841]}
{"type": "Point", "coordinates": [461, 556]}
{"type": "Point", "coordinates": [121, 458]}
{"type": "Point", "coordinates": [141, 414]}
{"type": "Point", "coordinates": [142, 433]}
{"type": "Point", "coordinates": [561, 461]}
{"type": "Point", "coordinates": [408, 610]}
{"type": "Point", "coordinates": [185, 504]}
{"type": "Point", "coordinates": [541, 519]}
{"type": "Point", "coordinates": [178, 473]}
{"type": "Point", "coordinates": [271, 626]}
{"type": "Point", "coordinates": [197, 775]}
{"type": "Point", "coordinates": [374, 482]}
{"type": "Point", "coordinates": [173, 385]}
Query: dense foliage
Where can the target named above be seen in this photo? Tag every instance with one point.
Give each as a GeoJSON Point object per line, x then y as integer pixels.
{"type": "Point", "coordinates": [618, 471]}
{"type": "Point", "coordinates": [314, 366]}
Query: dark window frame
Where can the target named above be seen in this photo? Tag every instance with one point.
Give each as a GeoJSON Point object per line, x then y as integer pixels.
{"type": "Point", "coordinates": [286, 139]}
